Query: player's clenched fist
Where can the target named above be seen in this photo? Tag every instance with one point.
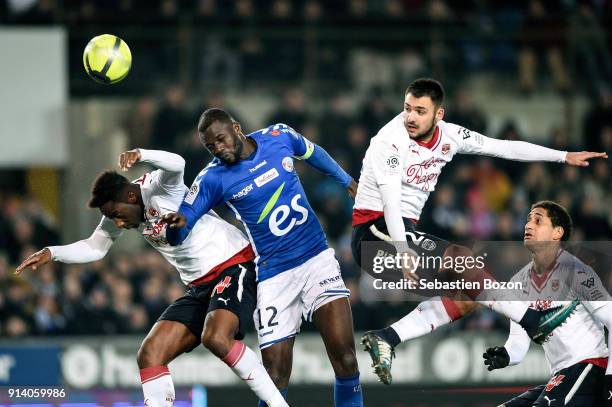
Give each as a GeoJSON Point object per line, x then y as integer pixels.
{"type": "Point", "coordinates": [496, 358]}
{"type": "Point", "coordinates": [128, 158]}
{"type": "Point", "coordinates": [36, 260]}
{"type": "Point", "coordinates": [174, 220]}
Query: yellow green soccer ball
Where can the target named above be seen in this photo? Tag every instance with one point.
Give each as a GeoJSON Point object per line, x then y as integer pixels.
{"type": "Point", "coordinates": [107, 59]}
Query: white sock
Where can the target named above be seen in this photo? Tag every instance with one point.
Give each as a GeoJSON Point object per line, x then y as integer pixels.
{"type": "Point", "coordinates": [245, 363]}
{"type": "Point", "coordinates": [157, 386]}
{"type": "Point", "coordinates": [515, 310]}
{"type": "Point", "coordinates": [425, 318]}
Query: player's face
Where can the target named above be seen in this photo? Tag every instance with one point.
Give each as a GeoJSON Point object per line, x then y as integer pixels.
{"type": "Point", "coordinates": [223, 141]}
{"type": "Point", "coordinates": [420, 116]}
{"type": "Point", "coordinates": [125, 215]}
{"type": "Point", "coordinates": [539, 228]}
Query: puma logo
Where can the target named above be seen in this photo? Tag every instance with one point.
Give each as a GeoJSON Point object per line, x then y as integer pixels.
{"type": "Point", "coordinates": [549, 400]}
{"type": "Point", "coordinates": [224, 300]}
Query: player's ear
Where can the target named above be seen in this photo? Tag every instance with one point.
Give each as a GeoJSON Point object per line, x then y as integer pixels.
{"type": "Point", "coordinates": [440, 113]}
{"type": "Point", "coordinates": [237, 127]}
{"type": "Point", "coordinates": [558, 232]}
{"type": "Point", "coordinates": [131, 197]}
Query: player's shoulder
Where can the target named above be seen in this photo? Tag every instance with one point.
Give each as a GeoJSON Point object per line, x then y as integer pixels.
{"type": "Point", "coordinates": [274, 131]}
{"type": "Point", "coordinates": [571, 263]}
{"type": "Point", "coordinates": [452, 130]}
{"type": "Point", "coordinates": [212, 172]}
{"type": "Point", "coordinates": [392, 135]}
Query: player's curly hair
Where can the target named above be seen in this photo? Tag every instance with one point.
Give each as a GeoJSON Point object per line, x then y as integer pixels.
{"type": "Point", "coordinates": [427, 87]}
{"type": "Point", "coordinates": [558, 216]}
{"type": "Point", "coordinates": [107, 187]}
{"type": "Point", "coordinates": [212, 115]}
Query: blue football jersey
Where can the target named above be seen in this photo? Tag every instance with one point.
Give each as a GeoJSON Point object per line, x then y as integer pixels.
{"type": "Point", "coordinates": [265, 193]}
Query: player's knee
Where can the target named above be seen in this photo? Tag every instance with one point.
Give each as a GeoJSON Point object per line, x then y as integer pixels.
{"type": "Point", "coordinates": [147, 355]}
{"type": "Point", "coordinates": [217, 342]}
{"type": "Point", "coordinates": [345, 364]}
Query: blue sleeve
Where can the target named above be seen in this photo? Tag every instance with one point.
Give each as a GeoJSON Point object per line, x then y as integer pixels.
{"type": "Point", "coordinates": [205, 193]}
{"type": "Point", "coordinates": [304, 149]}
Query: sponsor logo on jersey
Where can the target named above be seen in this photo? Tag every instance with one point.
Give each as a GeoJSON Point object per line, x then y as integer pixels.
{"type": "Point", "coordinates": [589, 283]}
{"type": "Point", "coordinates": [445, 148]}
{"type": "Point", "coordinates": [555, 285]}
{"type": "Point", "coordinates": [275, 132]}
{"type": "Point", "coordinates": [152, 212]}
{"type": "Point", "coordinates": [258, 166]}
{"type": "Point", "coordinates": [554, 382]}
{"type": "Point", "coordinates": [266, 177]}
{"type": "Point", "coordinates": [281, 213]}
{"type": "Point", "coordinates": [243, 192]}
{"type": "Point", "coordinates": [288, 164]}
{"type": "Point", "coordinates": [417, 173]}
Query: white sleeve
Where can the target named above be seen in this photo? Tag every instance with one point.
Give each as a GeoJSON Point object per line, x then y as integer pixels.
{"type": "Point", "coordinates": [517, 343]}
{"type": "Point", "coordinates": [604, 315]}
{"type": "Point", "coordinates": [91, 249]}
{"type": "Point", "coordinates": [588, 287]}
{"type": "Point", "coordinates": [475, 143]}
{"type": "Point", "coordinates": [172, 165]}
{"type": "Point", "coordinates": [391, 196]}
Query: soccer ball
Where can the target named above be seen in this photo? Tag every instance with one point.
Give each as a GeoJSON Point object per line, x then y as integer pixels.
{"type": "Point", "coordinates": [107, 59]}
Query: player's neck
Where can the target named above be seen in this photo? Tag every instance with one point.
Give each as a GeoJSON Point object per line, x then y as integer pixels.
{"type": "Point", "coordinates": [544, 257]}
{"type": "Point", "coordinates": [249, 147]}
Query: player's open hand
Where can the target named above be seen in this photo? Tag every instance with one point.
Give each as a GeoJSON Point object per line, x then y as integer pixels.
{"type": "Point", "coordinates": [128, 158]}
{"type": "Point", "coordinates": [581, 159]}
{"type": "Point", "coordinates": [174, 220]}
{"type": "Point", "coordinates": [352, 189]}
{"type": "Point", "coordinates": [36, 260]}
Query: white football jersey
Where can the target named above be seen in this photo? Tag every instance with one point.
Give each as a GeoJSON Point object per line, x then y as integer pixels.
{"type": "Point", "coordinates": [212, 245]}
{"type": "Point", "coordinates": [581, 337]}
{"type": "Point", "coordinates": [393, 157]}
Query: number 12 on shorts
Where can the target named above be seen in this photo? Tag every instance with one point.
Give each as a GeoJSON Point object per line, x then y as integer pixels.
{"type": "Point", "coordinates": [271, 313]}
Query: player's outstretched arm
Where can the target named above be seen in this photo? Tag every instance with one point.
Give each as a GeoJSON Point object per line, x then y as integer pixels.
{"type": "Point", "coordinates": [317, 157]}
{"type": "Point", "coordinates": [36, 260]}
{"type": "Point", "coordinates": [87, 250]}
{"type": "Point", "coordinates": [476, 143]}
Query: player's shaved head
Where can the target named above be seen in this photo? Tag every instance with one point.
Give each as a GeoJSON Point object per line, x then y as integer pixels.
{"type": "Point", "coordinates": [427, 87]}
{"type": "Point", "coordinates": [559, 217]}
{"type": "Point", "coordinates": [107, 187]}
{"type": "Point", "coordinates": [213, 115]}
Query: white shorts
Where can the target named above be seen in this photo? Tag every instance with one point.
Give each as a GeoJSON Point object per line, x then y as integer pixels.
{"type": "Point", "coordinates": [284, 299]}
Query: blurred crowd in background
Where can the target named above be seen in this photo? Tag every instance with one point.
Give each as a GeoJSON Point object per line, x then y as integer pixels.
{"type": "Point", "coordinates": [476, 197]}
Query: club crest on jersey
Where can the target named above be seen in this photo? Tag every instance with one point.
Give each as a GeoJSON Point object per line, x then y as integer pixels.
{"type": "Point", "coordinates": [275, 132]}
{"type": "Point", "coordinates": [152, 212]}
{"type": "Point", "coordinates": [445, 148]}
{"type": "Point", "coordinates": [555, 285]}
{"type": "Point", "coordinates": [288, 164]}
